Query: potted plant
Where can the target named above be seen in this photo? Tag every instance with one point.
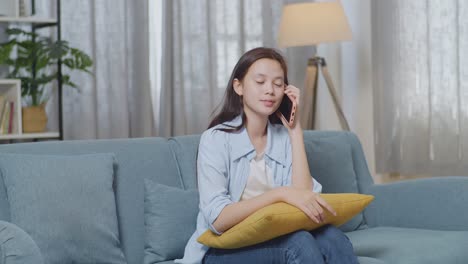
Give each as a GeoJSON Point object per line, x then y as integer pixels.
{"type": "Point", "coordinates": [33, 59]}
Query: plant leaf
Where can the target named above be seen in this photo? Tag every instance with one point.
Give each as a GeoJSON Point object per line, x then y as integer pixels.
{"type": "Point", "coordinates": [33, 59]}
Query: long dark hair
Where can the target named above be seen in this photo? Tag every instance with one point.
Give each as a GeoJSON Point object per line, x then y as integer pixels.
{"type": "Point", "coordinates": [232, 104]}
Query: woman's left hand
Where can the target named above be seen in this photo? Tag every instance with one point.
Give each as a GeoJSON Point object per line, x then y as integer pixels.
{"type": "Point", "coordinates": [294, 94]}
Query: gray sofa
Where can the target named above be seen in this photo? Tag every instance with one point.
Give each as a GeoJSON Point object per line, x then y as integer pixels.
{"type": "Point", "coordinates": [418, 221]}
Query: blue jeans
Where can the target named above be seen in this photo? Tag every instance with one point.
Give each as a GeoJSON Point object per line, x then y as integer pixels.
{"type": "Point", "coordinates": [327, 244]}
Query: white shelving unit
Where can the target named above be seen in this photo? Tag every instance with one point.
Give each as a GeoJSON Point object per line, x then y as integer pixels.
{"type": "Point", "coordinates": [10, 89]}
{"type": "Point", "coordinates": [11, 13]}
{"type": "Point", "coordinates": [30, 135]}
{"type": "Point", "coordinates": [29, 20]}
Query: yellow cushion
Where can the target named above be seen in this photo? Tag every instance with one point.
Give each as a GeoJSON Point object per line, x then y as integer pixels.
{"type": "Point", "coordinates": [281, 218]}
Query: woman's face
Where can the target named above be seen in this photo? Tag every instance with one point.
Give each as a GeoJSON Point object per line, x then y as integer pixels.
{"type": "Point", "coordinates": [262, 88]}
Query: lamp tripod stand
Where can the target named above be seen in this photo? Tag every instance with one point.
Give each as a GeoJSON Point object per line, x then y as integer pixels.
{"type": "Point", "coordinates": [308, 112]}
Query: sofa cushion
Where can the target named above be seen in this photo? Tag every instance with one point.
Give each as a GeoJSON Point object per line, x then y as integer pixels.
{"type": "Point", "coordinates": [407, 245]}
{"type": "Point", "coordinates": [367, 260]}
{"type": "Point", "coordinates": [281, 218]}
{"type": "Point", "coordinates": [185, 150]}
{"type": "Point", "coordinates": [137, 159]}
{"type": "Point", "coordinates": [331, 164]}
{"type": "Point", "coordinates": [17, 247]}
{"type": "Point", "coordinates": [66, 204]}
{"type": "Point", "coordinates": [170, 220]}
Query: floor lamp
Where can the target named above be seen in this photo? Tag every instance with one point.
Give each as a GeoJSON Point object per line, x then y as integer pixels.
{"type": "Point", "coordinates": [309, 24]}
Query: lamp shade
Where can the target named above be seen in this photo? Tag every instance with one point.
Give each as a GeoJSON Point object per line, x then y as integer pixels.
{"type": "Point", "coordinates": [313, 23]}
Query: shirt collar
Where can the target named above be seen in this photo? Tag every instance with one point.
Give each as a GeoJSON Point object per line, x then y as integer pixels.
{"type": "Point", "coordinates": [241, 145]}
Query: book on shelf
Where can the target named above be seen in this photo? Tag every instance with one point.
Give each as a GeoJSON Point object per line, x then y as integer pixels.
{"type": "Point", "coordinates": [8, 113]}
{"type": "Point", "coordinates": [2, 103]}
{"type": "Point", "coordinates": [12, 114]}
{"type": "Point", "coordinates": [5, 116]}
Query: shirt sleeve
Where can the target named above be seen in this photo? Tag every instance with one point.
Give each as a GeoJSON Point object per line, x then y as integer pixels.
{"type": "Point", "coordinates": [317, 187]}
{"type": "Point", "coordinates": [212, 172]}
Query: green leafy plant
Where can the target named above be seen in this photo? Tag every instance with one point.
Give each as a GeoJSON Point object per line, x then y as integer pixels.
{"type": "Point", "coordinates": [33, 59]}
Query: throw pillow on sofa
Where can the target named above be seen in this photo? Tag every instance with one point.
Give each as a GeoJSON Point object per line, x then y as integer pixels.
{"type": "Point", "coordinates": [281, 218]}
{"type": "Point", "coordinates": [17, 247]}
{"type": "Point", "coordinates": [170, 220]}
{"type": "Point", "coordinates": [66, 204]}
{"type": "Point", "coordinates": [331, 163]}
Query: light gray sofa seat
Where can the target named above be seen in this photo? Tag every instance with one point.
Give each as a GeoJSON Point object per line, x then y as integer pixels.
{"type": "Point", "coordinates": [409, 222]}
{"type": "Point", "coordinates": [410, 245]}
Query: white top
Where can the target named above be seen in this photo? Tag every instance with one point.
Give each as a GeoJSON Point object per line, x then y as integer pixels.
{"type": "Point", "coordinates": [260, 178]}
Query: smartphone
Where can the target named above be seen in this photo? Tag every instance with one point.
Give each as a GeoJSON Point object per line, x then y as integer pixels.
{"type": "Point", "coordinates": [287, 109]}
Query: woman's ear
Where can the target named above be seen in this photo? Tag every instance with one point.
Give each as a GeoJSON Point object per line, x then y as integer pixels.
{"type": "Point", "coordinates": [237, 85]}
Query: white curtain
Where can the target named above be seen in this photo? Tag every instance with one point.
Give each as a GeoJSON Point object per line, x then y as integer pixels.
{"type": "Point", "coordinates": [202, 40]}
{"type": "Point", "coordinates": [421, 86]}
{"type": "Point", "coordinates": [115, 101]}
{"type": "Point", "coordinates": [350, 66]}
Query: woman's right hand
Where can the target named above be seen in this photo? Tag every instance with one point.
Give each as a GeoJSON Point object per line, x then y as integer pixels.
{"type": "Point", "coordinates": [309, 202]}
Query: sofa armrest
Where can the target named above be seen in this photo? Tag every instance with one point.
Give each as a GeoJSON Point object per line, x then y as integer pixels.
{"type": "Point", "coordinates": [431, 203]}
{"type": "Point", "coordinates": [17, 247]}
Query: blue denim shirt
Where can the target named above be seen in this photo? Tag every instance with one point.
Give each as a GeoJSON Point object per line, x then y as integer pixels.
{"type": "Point", "coordinates": [223, 168]}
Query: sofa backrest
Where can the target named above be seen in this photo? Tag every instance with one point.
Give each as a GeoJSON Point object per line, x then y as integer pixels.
{"type": "Point", "coordinates": [344, 150]}
{"type": "Point", "coordinates": [336, 161]}
{"type": "Point", "coordinates": [136, 159]}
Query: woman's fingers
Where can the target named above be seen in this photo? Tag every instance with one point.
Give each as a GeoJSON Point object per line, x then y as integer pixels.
{"type": "Point", "coordinates": [308, 210]}
{"type": "Point", "coordinates": [311, 204]}
{"type": "Point", "coordinates": [319, 211]}
{"type": "Point", "coordinates": [292, 88]}
{"type": "Point", "coordinates": [316, 210]}
{"type": "Point", "coordinates": [323, 203]}
{"type": "Point", "coordinates": [293, 92]}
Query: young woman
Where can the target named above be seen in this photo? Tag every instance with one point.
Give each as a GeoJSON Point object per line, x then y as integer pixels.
{"type": "Point", "coordinates": [248, 159]}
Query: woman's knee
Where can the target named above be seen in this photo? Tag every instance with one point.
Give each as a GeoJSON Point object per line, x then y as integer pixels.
{"type": "Point", "coordinates": [335, 245]}
{"type": "Point", "coordinates": [332, 235]}
{"type": "Point", "coordinates": [301, 247]}
{"type": "Point", "coordinates": [297, 247]}
{"type": "Point", "coordinates": [301, 237]}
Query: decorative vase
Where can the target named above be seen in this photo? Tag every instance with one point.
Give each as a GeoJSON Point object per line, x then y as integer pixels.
{"type": "Point", "coordinates": [34, 119]}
